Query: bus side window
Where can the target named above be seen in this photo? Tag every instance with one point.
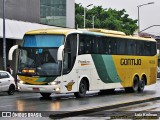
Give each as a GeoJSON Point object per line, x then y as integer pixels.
{"type": "Point", "coordinates": [81, 45]}
{"type": "Point", "coordinates": [112, 46]}
{"type": "Point", "coordinates": [95, 45]}
{"type": "Point", "coordinates": [139, 48]}
{"type": "Point", "coordinates": [121, 46]}
{"type": "Point", "coordinates": [147, 48]}
{"type": "Point", "coordinates": [102, 46]}
{"type": "Point", "coordinates": [153, 48]}
{"type": "Point", "coordinates": [107, 47]}
{"type": "Point", "coordinates": [87, 46]}
{"type": "Point", "coordinates": [131, 47]}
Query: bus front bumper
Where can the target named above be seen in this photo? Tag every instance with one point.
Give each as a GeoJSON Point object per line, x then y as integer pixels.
{"type": "Point", "coordinates": [39, 88]}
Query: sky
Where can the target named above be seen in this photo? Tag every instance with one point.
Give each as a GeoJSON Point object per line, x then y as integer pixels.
{"type": "Point", "coordinates": [149, 14]}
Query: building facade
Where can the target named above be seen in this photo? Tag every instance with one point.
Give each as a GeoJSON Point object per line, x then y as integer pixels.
{"type": "Point", "coordinates": [24, 15]}
{"type": "Point", "coordinates": [49, 12]}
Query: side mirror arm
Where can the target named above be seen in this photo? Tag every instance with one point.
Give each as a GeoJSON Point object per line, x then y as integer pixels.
{"type": "Point", "coordinates": [12, 49]}
{"type": "Point", "coordinates": [60, 53]}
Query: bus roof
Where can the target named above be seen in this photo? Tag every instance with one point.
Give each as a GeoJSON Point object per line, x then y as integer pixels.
{"type": "Point", "coordinates": [62, 31]}
{"type": "Point", "coordinates": [119, 34]}
{"type": "Point", "coordinates": [113, 32]}
{"type": "Point", "coordinates": [100, 32]}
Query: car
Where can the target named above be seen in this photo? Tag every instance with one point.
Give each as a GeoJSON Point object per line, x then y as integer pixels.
{"type": "Point", "coordinates": [7, 82]}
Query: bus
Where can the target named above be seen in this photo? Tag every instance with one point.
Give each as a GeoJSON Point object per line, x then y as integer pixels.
{"type": "Point", "coordinates": [62, 60]}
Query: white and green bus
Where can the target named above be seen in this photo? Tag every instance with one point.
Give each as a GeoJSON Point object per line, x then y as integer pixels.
{"type": "Point", "coordinates": [76, 61]}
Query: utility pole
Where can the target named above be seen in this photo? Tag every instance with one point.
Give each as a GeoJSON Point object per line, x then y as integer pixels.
{"type": "Point", "coordinates": [4, 38]}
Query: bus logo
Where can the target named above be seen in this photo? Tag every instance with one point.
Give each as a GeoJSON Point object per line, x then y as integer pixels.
{"type": "Point", "coordinates": [69, 86]}
{"type": "Point", "coordinates": [125, 61]}
{"type": "Point", "coordinates": [84, 63]}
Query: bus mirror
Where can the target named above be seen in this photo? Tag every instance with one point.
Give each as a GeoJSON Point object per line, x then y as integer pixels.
{"type": "Point", "coordinates": [12, 49]}
{"type": "Point", "coordinates": [60, 53]}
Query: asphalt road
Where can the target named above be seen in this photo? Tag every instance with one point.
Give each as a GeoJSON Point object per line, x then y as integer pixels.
{"type": "Point", "coordinates": [33, 102]}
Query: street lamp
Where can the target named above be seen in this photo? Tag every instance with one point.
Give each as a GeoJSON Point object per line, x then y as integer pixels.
{"type": "Point", "coordinates": [85, 15]}
{"type": "Point", "coordinates": [4, 38]}
{"type": "Point", "coordinates": [149, 27]}
{"type": "Point", "coordinates": [139, 15]}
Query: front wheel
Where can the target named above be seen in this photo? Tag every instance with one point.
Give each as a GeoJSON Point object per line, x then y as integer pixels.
{"type": "Point", "coordinates": [11, 90]}
{"type": "Point", "coordinates": [82, 90]}
{"type": "Point", "coordinates": [45, 95]}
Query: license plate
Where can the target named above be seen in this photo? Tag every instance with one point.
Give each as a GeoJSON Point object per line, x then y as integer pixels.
{"type": "Point", "coordinates": [35, 89]}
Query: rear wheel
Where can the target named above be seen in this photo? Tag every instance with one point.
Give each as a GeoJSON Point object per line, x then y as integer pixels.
{"type": "Point", "coordinates": [45, 95]}
{"type": "Point", "coordinates": [11, 90]}
{"type": "Point", "coordinates": [141, 85]}
{"type": "Point", "coordinates": [134, 87]}
{"type": "Point", "coordinates": [82, 90]}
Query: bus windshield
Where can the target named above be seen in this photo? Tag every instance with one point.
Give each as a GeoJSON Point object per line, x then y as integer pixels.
{"type": "Point", "coordinates": [38, 55]}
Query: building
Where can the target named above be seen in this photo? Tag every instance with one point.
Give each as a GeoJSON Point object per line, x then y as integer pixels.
{"type": "Point", "coordinates": [25, 15]}
{"type": "Point", "coordinates": [49, 12]}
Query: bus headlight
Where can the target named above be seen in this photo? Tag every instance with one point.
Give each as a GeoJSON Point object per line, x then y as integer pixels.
{"type": "Point", "coordinates": [22, 82]}
{"type": "Point", "coordinates": [54, 83]}
{"type": "Point", "coordinates": [57, 89]}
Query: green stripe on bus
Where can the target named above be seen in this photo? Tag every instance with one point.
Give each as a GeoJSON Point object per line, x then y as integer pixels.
{"type": "Point", "coordinates": [106, 69]}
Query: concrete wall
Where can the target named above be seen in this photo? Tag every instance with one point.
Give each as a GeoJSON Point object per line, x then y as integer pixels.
{"type": "Point", "coordinates": [70, 13]}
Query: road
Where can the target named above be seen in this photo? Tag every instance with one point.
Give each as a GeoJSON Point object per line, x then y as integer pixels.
{"type": "Point", "coordinates": [143, 111]}
{"type": "Point", "coordinates": [33, 102]}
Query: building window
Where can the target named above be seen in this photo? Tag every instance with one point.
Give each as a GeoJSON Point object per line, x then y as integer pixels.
{"type": "Point", "coordinates": [53, 12]}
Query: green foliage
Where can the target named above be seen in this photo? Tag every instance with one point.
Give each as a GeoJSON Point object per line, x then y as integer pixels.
{"type": "Point", "coordinates": [111, 19]}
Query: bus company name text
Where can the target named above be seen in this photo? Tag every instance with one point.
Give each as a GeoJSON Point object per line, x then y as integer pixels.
{"type": "Point", "coordinates": [84, 63]}
{"type": "Point", "coordinates": [125, 61]}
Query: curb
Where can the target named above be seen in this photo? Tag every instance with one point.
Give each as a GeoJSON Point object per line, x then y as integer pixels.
{"type": "Point", "coordinates": [97, 108]}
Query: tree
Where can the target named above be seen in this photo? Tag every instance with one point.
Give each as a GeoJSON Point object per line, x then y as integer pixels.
{"type": "Point", "coordinates": [111, 19]}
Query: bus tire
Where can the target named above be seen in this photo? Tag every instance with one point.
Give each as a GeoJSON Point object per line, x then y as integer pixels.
{"type": "Point", "coordinates": [45, 95]}
{"type": "Point", "coordinates": [141, 85]}
{"type": "Point", "coordinates": [134, 87]}
{"type": "Point", "coordinates": [82, 90]}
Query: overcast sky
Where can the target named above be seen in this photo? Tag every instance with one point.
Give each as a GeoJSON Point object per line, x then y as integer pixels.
{"type": "Point", "coordinates": [149, 14]}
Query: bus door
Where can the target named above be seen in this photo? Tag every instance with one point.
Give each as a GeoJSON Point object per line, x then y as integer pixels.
{"type": "Point", "coordinates": [69, 73]}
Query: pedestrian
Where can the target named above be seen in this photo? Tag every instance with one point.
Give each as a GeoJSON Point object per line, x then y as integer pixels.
{"type": "Point", "coordinates": [9, 69]}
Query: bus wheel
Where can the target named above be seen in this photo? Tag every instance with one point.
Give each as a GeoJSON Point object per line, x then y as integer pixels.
{"type": "Point", "coordinates": [45, 95]}
{"type": "Point", "coordinates": [82, 90]}
{"type": "Point", "coordinates": [134, 88]}
{"type": "Point", "coordinates": [141, 85]}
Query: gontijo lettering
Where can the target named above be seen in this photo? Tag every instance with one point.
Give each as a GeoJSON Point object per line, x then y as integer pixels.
{"type": "Point", "coordinates": [125, 61]}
